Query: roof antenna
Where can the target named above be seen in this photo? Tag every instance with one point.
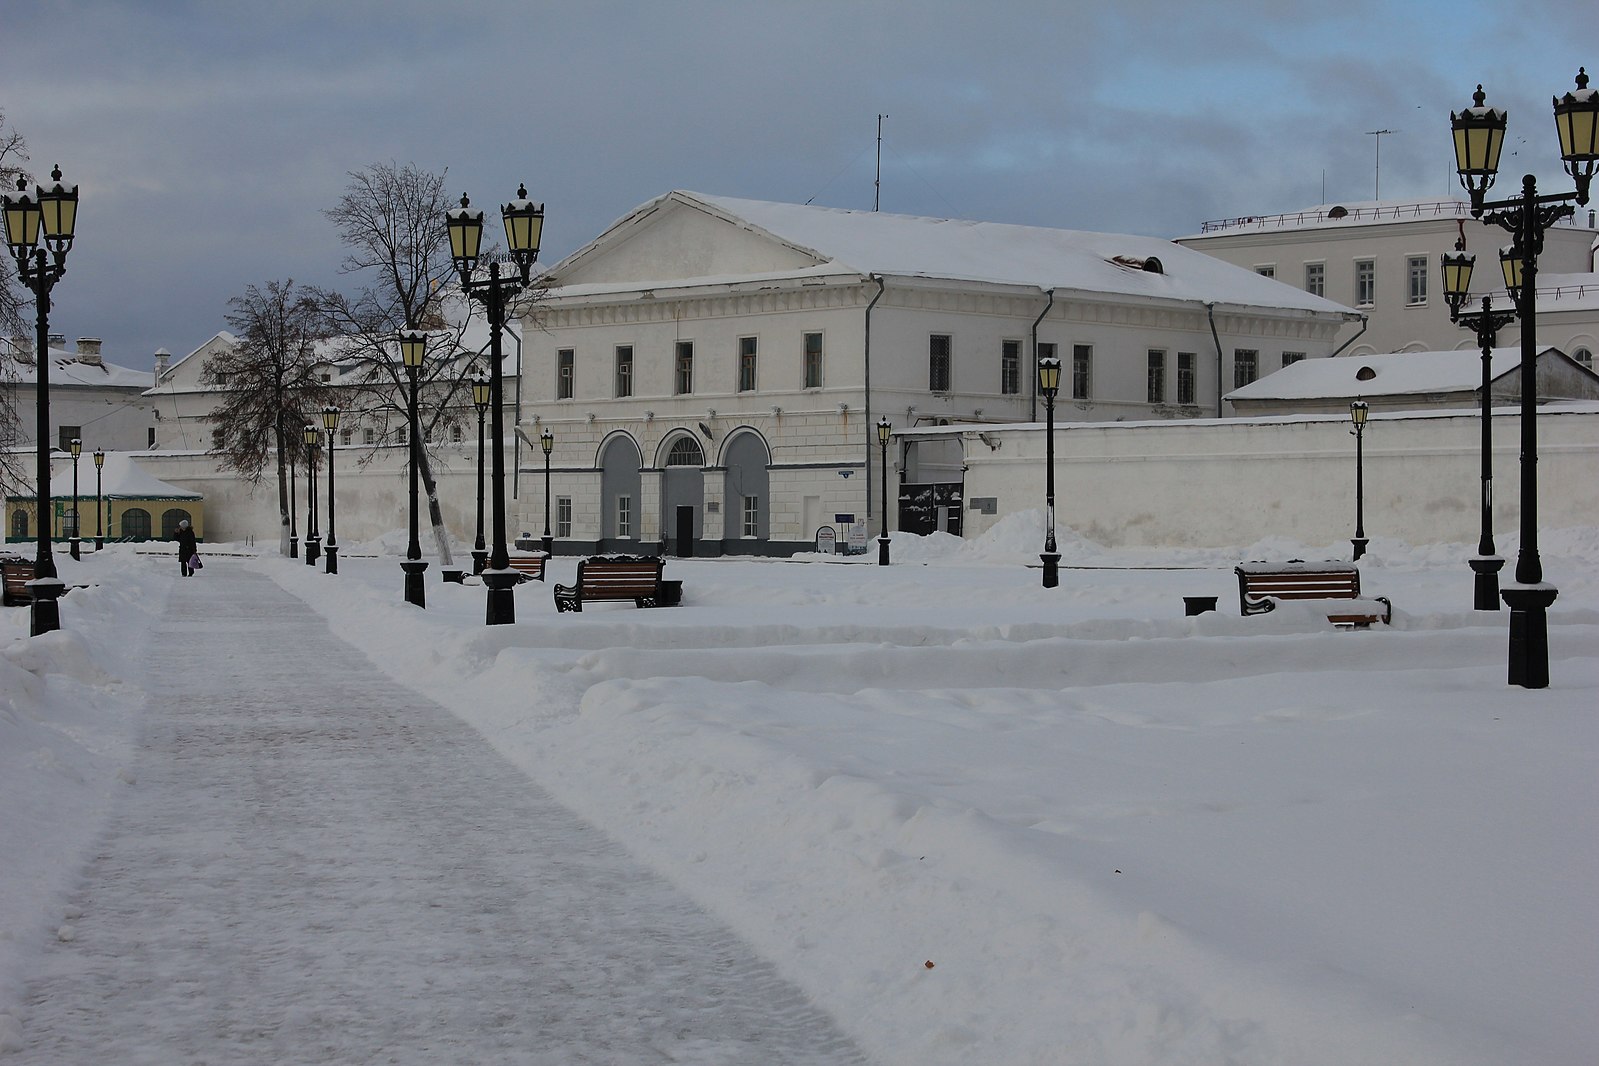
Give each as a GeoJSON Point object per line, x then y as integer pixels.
{"type": "Point", "coordinates": [1376, 193]}
{"type": "Point", "coordinates": [877, 183]}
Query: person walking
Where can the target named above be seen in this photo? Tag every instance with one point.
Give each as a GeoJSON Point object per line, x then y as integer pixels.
{"type": "Point", "coordinates": [188, 552]}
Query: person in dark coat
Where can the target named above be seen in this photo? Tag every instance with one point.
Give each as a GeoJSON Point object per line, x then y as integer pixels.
{"type": "Point", "coordinates": [187, 550]}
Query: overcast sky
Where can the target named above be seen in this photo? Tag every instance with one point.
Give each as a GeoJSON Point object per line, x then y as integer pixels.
{"type": "Point", "coordinates": [208, 137]}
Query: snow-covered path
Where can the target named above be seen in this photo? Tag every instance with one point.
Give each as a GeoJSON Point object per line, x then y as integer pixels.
{"type": "Point", "coordinates": [316, 865]}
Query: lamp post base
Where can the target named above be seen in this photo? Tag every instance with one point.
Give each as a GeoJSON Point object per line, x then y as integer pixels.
{"type": "Point", "coordinates": [332, 555]}
{"type": "Point", "coordinates": [1051, 569]}
{"type": "Point", "coordinates": [480, 559]}
{"type": "Point", "coordinates": [1529, 634]}
{"type": "Point", "coordinates": [501, 609]}
{"type": "Point", "coordinates": [313, 550]}
{"type": "Point", "coordinates": [415, 591]}
{"type": "Point", "coordinates": [549, 545]}
{"type": "Point", "coordinates": [882, 551]}
{"type": "Point", "coordinates": [46, 612]}
{"type": "Point", "coordinates": [1360, 546]}
{"type": "Point", "coordinates": [1485, 596]}
{"type": "Point", "coordinates": [75, 547]}
{"type": "Point", "coordinates": [99, 544]}
{"type": "Point", "coordinates": [294, 547]}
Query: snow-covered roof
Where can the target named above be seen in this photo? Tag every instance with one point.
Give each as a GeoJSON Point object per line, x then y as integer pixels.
{"type": "Point", "coordinates": [1404, 373]}
{"type": "Point", "coordinates": [122, 478]}
{"type": "Point", "coordinates": [1347, 215]}
{"type": "Point", "coordinates": [69, 369]}
{"type": "Point", "coordinates": [1567, 292]}
{"type": "Point", "coordinates": [869, 242]}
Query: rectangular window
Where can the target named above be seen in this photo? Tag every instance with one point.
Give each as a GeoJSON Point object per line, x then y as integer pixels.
{"type": "Point", "coordinates": [746, 364]}
{"type": "Point", "coordinates": [563, 516]}
{"type": "Point", "coordinates": [1267, 271]}
{"type": "Point", "coordinates": [1246, 366]}
{"type": "Point", "coordinates": [369, 435]}
{"type": "Point", "coordinates": [624, 516]}
{"type": "Point", "coordinates": [404, 435]}
{"type": "Point", "coordinates": [1365, 282]}
{"type": "Point", "coordinates": [1185, 376]}
{"type": "Point", "coordinates": [813, 361]}
{"type": "Point", "coordinates": [346, 437]}
{"type": "Point", "coordinates": [65, 435]}
{"type": "Point", "coordinates": [1316, 278]}
{"type": "Point", "coordinates": [1157, 376]}
{"type": "Point", "coordinates": [1416, 269]}
{"type": "Point", "coordinates": [1290, 358]}
{"type": "Point", "coordinates": [1082, 364]}
{"type": "Point", "coordinates": [1046, 350]}
{"type": "Point", "coordinates": [151, 438]}
{"type": "Point", "coordinates": [1010, 367]}
{"type": "Point", "coordinates": [565, 373]}
{"type": "Point", "coordinates": [751, 526]}
{"type": "Point", "coordinates": [684, 382]}
{"type": "Point", "coordinates": [624, 370]}
{"type": "Point", "coordinates": [938, 361]}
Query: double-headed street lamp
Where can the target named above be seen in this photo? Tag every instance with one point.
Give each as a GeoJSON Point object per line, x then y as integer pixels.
{"type": "Point", "coordinates": [330, 422]}
{"type": "Point", "coordinates": [99, 500]}
{"type": "Point", "coordinates": [482, 395]}
{"type": "Point", "coordinates": [524, 226]}
{"type": "Point", "coordinates": [1479, 135]}
{"type": "Point", "coordinates": [547, 445]}
{"type": "Point", "coordinates": [1486, 324]}
{"type": "Point", "coordinates": [1357, 414]}
{"type": "Point", "coordinates": [1049, 385]}
{"type": "Point", "coordinates": [313, 540]}
{"type": "Point", "coordinates": [52, 213]}
{"type": "Point", "coordinates": [413, 353]}
{"type": "Point", "coordinates": [885, 433]}
{"type": "Point", "coordinates": [75, 542]}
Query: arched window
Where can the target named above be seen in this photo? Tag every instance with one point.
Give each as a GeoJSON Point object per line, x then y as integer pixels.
{"type": "Point", "coordinates": [170, 519]}
{"type": "Point", "coordinates": [685, 452]}
{"type": "Point", "coordinates": [19, 524]}
{"type": "Point", "coordinates": [1583, 356]}
{"type": "Point", "coordinates": [136, 523]}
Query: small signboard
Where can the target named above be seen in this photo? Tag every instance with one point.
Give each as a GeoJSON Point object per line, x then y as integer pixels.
{"type": "Point", "coordinates": [857, 539]}
{"type": "Point", "coordinates": [827, 540]}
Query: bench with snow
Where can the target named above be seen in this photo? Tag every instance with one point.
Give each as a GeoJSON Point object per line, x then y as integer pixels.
{"type": "Point", "coordinates": [17, 572]}
{"type": "Point", "coordinates": [1333, 587]}
{"type": "Point", "coordinates": [615, 577]}
{"type": "Point", "coordinates": [529, 567]}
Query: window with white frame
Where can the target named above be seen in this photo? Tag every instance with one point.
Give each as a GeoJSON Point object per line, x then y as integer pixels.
{"type": "Point", "coordinates": [1316, 278]}
{"type": "Point", "coordinates": [624, 516]}
{"type": "Point", "coordinates": [1267, 270]}
{"type": "Point", "coordinates": [746, 364]}
{"type": "Point", "coordinates": [939, 346]}
{"type": "Point", "coordinates": [1416, 272]}
{"type": "Point", "coordinates": [565, 373]}
{"type": "Point", "coordinates": [624, 370]}
{"type": "Point", "coordinates": [683, 384]}
{"type": "Point", "coordinates": [751, 526]}
{"type": "Point", "coordinates": [369, 435]}
{"type": "Point", "coordinates": [346, 436]}
{"type": "Point", "coordinates": [1010, 367]}
{"type": "Point", "coordinates": [1186, 362]}
{"type": "Point", "coordinates": [1584, 356]}
{"type": "Point", "coordinates": [813, 361]}
{"type": "Point", "coordinates": [1290, 358]}
{"type": "Point", "coordinates": [563, 516]}
{"type": "Point", "coordinates": [1246, 366]}
{"type": "Point", "coordinates": [1365, 282]}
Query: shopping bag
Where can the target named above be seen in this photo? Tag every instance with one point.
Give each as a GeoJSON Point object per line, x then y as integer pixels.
{"type": "Point", "coordinates": [194, 562]}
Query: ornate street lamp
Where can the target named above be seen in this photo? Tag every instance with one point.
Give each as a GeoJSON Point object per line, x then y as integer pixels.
{"type": "Point", "coordinates": [1486, 324]}
{"type": "Point", "coordinates": [52, 211]}
{"type": "Point", "coordinates": [330, 422]}
{"type": "Point", "coordinates": [99, 500]}
{"type": "Point", "coordinates": [1479, 133]}
{"type": "Point", "coordinates": [1357, 414]}
{"type": "Point", "coordinates": [482, 395]}
{"type": "Point", "coordinates": [885, 433]}
{"type": "Point", "coordinates": [524, 225]}
{"type": "Point", "coordinates": [313, 540]}
{"type": "Point", "coordinates": [75, 541]}
{"type": "Point", "coordinates": [547, 445]}
{"type": "Point", "coordinates": [1049, 385]}
{"type": "Point", "coordinates": [413, 353]}
{"type": "Point", "coordinates": [294, 529]}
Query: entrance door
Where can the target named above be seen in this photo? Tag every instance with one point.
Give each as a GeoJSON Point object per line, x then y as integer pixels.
{"type": "Point", "coordinates": [685, 532]}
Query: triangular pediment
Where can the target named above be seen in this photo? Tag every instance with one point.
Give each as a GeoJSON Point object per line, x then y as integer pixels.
{"type": "Point", "coordinates": [679, 237]}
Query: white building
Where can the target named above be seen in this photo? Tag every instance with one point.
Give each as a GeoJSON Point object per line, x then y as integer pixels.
{"type": "Point", "coordinates": [98, 402]}
{"type": "Point", "coordinates": [712, 369]}
{"type": "Point", "coordinates": [1382, 258]}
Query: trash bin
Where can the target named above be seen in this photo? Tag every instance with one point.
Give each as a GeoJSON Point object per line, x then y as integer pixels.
{"type": "Point", "coordinates": [1193, 605]}
{"type": "Point", "coordinates": [671, 594]}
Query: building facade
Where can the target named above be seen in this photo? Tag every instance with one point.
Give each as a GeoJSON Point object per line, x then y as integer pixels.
{"type": "Point", "coordinates": [99, 403]}
{"type": "Point", "coordinates": [712, 370]}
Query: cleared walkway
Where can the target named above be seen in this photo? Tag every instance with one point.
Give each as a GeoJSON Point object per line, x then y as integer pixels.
{"type": "Point", "coordinates": [319, 866]}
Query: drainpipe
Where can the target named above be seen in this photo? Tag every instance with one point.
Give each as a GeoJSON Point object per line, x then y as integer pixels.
{"type": "Point", "coordinates": [1210, 309]}
{"type": "Point", "coordinates": [1032, 415]}
{"type": "Point", "coordinates": [1364, 322]}
{"type": "Point", "coordinates": [867, 420]}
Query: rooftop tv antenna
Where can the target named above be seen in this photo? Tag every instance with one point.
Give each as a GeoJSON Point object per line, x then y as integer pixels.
{"type": "Point", "coordinates": [1376, 193]}
{"type": "Point", "coordinates": [877, 182]}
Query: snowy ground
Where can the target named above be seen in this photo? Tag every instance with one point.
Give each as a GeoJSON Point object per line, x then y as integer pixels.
{"type": "Point", "coordinates": [1118, 835]}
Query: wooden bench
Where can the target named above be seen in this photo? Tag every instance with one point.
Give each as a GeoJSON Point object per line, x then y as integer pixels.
{"type": "Point", "coordinates": [17, 572]}
{"type": "Point", "coordinates": [1337, 585]}
{"type": "Point", "coordinates": [613, 578]}
{"type": "Point", "coordinates": [530, 567]}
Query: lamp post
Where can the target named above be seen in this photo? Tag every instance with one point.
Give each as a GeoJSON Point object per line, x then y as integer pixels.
{"type": "Point", "coordinates": [1357, 414]}
{"type": "Point", "coordinates": [1486, 324]}
{"type": "Point", "coordinates": [330, 422]}
{"type": "Point", "coordinates": [313, 540]}
{"type": "Point", "coordinates": [482, 394]}
{"type": "Point", "coordinates": [524, 226]}
{"type": "Point", "coordinates": [294, 529]}
{"type": "Point", "coordinates": [1479, 136]}
{"type": "Point", "coordinates": [51, 213]}
{"type": "Point", "coordinates": [99, 500]}
{"type": "Point", "coordinates": [1049, 385]}
{"type": "Point", "coordinates": [75, 542]}
{"type": "Point", "coordinates": [547, 445]}
{"type": "Point", "coordinates": [413, 352]}
{"type": "Point", "coordinates": [885, 433]}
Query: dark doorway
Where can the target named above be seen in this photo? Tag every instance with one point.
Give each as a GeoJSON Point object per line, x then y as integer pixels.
{"type": "Point", "coordinates": [685, 532]}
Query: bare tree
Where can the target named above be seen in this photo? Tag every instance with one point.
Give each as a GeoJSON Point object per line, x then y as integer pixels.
{"type": "Point", "coordinates": [272, 384]}
{"type": "Point", "coordinates": [13, 154]}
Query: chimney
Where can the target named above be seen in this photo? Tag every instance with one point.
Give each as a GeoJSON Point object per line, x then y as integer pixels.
{"type": "Point", "coordinates": [89, 350]}
{"type": "Point", "coordinates": [162, 357]}
{"type": "Point", "coordinates": [58, 340]}
{"type": "Point", "coordinates": [22, 348]}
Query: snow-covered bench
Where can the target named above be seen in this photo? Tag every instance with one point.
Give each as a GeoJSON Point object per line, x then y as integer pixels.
{"type": "Point", "coordinates": [17, 572]}
{"type": "Point", "coordinates": [1331, 586]}
{"type": "Point", "coordinates": [619, 577]}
